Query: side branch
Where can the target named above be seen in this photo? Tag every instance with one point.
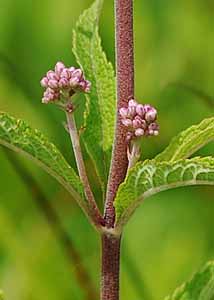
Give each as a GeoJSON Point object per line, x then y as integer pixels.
{"type": "Point", "coordinates": [125, 91]}
{"type": "Point", "coordinates": [95, 213]}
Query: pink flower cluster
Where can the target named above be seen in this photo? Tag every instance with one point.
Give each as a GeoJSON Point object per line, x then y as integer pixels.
{"type": "Point", "coordinates": [63, 81]}
{"type": "Point", "coordinates": [139, 119]}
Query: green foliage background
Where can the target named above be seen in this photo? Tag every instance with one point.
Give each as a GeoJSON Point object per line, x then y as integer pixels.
{"type": "Point", "coordinates": [171, 235]}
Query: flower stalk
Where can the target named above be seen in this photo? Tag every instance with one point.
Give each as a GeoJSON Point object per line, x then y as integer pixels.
{"type": "Point", "coordinates": [71, 125]}
{"type": "Point", "coordinates": [134, 154]}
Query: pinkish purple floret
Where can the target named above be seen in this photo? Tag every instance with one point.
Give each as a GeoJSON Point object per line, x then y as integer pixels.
{"type": "Point", "coordinates": [63, 80]}
{"type": "Point", "coordinates": [139, 119]}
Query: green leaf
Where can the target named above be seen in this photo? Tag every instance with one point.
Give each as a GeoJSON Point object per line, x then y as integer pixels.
{"type": "Point", "coordinates": [150, 177]}
{"type": "Point", "coordinates": [188, 141]}
{"type": "Point", "coordinates": [101, 101]}
{"type": "Point", "coordinates": [200, 287]}
{"type": "Point", "coordinates": [18, 136]}
{"type": "Point", "coordinates": [106, 90]}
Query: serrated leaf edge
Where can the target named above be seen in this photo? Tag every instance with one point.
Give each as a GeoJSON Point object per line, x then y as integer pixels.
{"type": "Point", "coordinates": [125, 216]}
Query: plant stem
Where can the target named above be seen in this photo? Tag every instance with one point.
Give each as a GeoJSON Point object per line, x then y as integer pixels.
{"type": "Point", "coordinates": [119, 163]}
{"type": "Point", "coordinates": [110, 267]}
{"type": "Point", "coordinates": [94, 210]}
{"type": "Point", "coordinates": [125, 91]}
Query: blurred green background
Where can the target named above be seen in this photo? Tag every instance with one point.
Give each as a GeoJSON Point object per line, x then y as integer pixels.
{"type": "Point", "coordinates": [170, 235]}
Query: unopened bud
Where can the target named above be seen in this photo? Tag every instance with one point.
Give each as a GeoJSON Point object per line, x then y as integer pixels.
{"type": "Point", "coordinates": [66, 73]}
{"type": "Point", "coordinates": [51, 75]}
{"type": "Point", "coordinates": [87, 86]}
{"type": "Point", "coordinates": [63, 83]}
{"type": "Point", "coordinates": [77, 73]}
{"type": "Point", "coordinates": [140, 110]}
{"type": "Point", "coordinates": [74, 81]}
{"type": "Point", "coordinates": [139, 132]}
{"type": "Point", "coordinates": [151, 115]}
{"type": "Point", "coordinates": [131, 111]}
{"type": "Point", "coordinates": [127, 122]}
{"type": "Point", "coordinates": [147, 107]}
{"type": "Point", "coordinates": [71, 69]}
{"type": "Point", "coordinates": [153, 129]}
{"type": "Point", "coordinates": [53, 84]}
{"type": "Point", "coordinates": [132, 102]}
{"type": "Point", "coordinates": [137, 123]}
{"type": "Point", "coordinates": [59, 68]}
{"type": "Point", "coordinates": [44, 82]}
{"type": "Point", "coordinates": [123, 112]}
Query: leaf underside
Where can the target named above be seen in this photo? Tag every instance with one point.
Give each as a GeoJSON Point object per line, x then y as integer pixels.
{"type": "Point", "coordinates": [18, 136]}
{"type": "Point", "coordinates": [188, 141]}
{"type": "Point", "coordinates": [100, 102]}
{"type": "Point", "coordinates": [200, 287]}
{"type": "Point", "coordinates": [150, 177]}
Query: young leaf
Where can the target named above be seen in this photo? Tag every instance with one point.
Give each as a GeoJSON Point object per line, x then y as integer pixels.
{"type": "Point", "coordinates": [18, 136]}
{"type": "Point", "coordinates": [100, 102]}
{"type": "Point", "coordinates": [188, 141]}
{"type": "Point", "coordinates": [150, 177]}
{"type": "Point", "coordinates": [200, 287]}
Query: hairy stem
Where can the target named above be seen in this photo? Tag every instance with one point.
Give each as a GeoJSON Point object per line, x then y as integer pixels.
{"type": "Point", "coordinates": [119, 164]}
{"type": "Point", "coordinates": [82, 276]}
{"type": "Point", "coordinates": [95, 213]}
{"type": "Point", "coordinates": [125, 91]}
{"type": "Point", "coordinates": [110, 267]}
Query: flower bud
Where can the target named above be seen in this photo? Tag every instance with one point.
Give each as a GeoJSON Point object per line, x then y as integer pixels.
{"type": "Point", "coordinates": [151, 115]}
{"type": "Point", "coordinates": [137, 122]}
{"type": "Point", "coordinates": [127, 122]}
{"type": "Point", "coordinates": [66, 81]}
{"type": "Point", "coordinates": [132, 102]}
{"type": "Point", "coordinates": [87, 86]}
{"type": "Point", "coordinates": [131, 111]}
{"type": "Point", "coordinates": [45, 100]}
{"type": "Point", "coordinates": [143, 124]}
{"type": "Point", "coordinates": [83, 85]}
{"type": "Point", "coordinates": [140, 110]}
{"type": "Point", "coordinates": [73, 82]}
{"type": "Point", "coordinates": [154, 126]}
{"type": "Point", "coordinates": [59, 68]}
{"type": "Point", "coordinates": [77, 73]}
{"type": "Point", "coordinates": [48, 96]}
{"type": "Point", "coordinates": [66, 73]}
{"type": "Point", "coordinates": [51, 75]}
{"type": "Point", "coordinates": [53, 84]}
{"type": "Point", "coordinates": [123, 112]}
{"type": "Point", "coordinates": [153, 129]}
{"type": "Point", "coordinates": [49, 91]}
{"type": "Point", "coordinates": [147, 107]}
{"type": "Point", "coordinates": [71, 69]}
{"type": "Point", "coordinates": [63, 83]}
{"type": "Point", "coordinates": [140, 120]}
{"type": "Point", "coordinates": [139, 132]}
{"type": "Point", "coordinates": [44, 82]}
